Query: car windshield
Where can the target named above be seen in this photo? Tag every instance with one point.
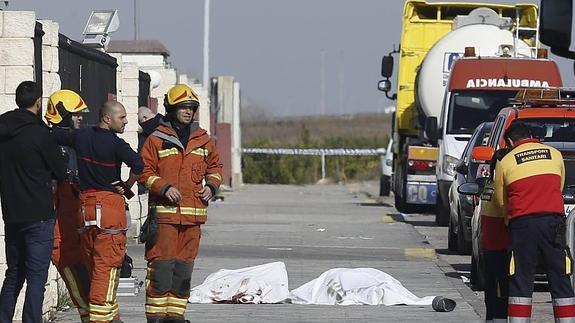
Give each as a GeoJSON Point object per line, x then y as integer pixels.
{"type": "Point", "coordinates": [556, 130]}
{"type": "Point", "coordinates": [468, 109]}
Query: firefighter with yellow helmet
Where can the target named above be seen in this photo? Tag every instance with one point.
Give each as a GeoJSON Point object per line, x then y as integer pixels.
{"type": "Point", "coordinates": [65, 111]}
{"type": "Point", "coordinates": [182, 170]}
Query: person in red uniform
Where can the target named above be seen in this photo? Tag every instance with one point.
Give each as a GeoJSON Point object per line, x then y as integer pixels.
{"type": "Point", "coordinates": [64, 111]}
{"type": "Point", "coordinates": [182, 171]}
{"type": "Point", "coordinates": [528, 185]}
{"type": "Point", "coordinates": [494, 241]}
{"type": "Point", "coordinates": [100, 154]}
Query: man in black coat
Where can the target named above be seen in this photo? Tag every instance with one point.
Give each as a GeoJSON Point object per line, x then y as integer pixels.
{"type": "Point", "coordinates": [30, 164]}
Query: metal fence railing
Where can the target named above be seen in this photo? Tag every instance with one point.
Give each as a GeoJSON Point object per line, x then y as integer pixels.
{"type": "Point", "coordinates": [316, 152]}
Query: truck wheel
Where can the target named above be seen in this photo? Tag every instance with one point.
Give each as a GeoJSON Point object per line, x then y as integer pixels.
{"type": "Point", "coordinates": [384, 185]}
{"type": "Point", "coordinates": [451, 238]}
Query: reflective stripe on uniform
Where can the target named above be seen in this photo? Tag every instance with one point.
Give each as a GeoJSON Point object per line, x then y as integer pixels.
{"type": "Point", "coordinates": [176, 310]}
{"type": "Point", "coordinates": [151, 181]}
{"type": "Point", "coordinates": [156, 300]}
{"type": "Point", "coordinates": [103, 312]}
{"type": "Point", "coordinates": [564, 309]}
{"type": "Point", "coordinates": [166, 209]}
{"type": "Point", "coordinates": [110, 296]}
{"type": "Point", "coordinates": [216, 176]}
{"type": "Point", "coordinates": [154, 309]}
{"type": "Point", "coordinates": [200, 151]}
{"type": "Point", "coordinates": [193, 211]}
{"type": "Point", "coordinates": [183, 210]}
{"type": "Point", "coordinates": [168, 152]}
{"type": "Point", "coordinates": [519, 309]}
{"type": "Point", "coordinates": [74, 288]}
{"type": "Point", "coordinates": [177, 305]}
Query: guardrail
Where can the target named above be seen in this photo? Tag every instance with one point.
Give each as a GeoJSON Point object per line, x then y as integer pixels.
{"type": "Point", "coordinates": [316, 152]}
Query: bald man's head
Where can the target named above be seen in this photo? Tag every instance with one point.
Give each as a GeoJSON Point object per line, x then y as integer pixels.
{"type": "Point", "coordinates": [113, 116]}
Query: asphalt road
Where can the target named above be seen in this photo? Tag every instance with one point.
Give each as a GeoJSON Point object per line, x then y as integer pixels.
{"type": "Point", "coordinates": [313, 229]}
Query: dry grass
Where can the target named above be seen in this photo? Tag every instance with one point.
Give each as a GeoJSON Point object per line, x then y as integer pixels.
{"type": "Point", "coordinates": [288, 131]}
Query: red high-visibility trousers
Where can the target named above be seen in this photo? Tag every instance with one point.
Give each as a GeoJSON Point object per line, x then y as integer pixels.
{"type": "Point", "coordinates": [66, 254]}
{"type": "Point", "coordinates": [104, 252]}
{"type": "Point", "coordinates": [170, 266]}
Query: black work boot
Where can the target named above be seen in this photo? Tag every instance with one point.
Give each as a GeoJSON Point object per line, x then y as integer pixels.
{"type": "Point", "coordinates": [155, 320]}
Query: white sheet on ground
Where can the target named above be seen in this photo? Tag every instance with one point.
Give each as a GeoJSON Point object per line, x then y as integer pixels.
{"type": "Point", "coordinates": [344, 286]}
{"type": "Point", "coordinates": [267, 283]}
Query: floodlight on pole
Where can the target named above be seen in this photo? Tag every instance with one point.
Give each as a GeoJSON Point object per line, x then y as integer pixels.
{"type": "Point", "coordinates": [99, 25]}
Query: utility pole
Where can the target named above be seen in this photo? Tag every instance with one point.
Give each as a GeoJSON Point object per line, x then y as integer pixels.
{"type": "Point", "coordinates": [322, 84]}
{"type": "Point", "coordinates": [341, 83]}
{"type": "Point", "coordinates": [206, 73]}
{"type": "Point", "coordinates": [135, 20]}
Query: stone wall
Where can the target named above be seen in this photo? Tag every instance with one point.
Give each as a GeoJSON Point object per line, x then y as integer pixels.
{"type": "Point", "coordinates": [17, 65]}
{"type": "Point", "coordinates": [127, 85]}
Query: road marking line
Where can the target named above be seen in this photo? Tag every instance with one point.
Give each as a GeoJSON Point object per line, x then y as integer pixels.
{"type": "Point", "coordinates": [426, 253]}
{"type": "Point", "coordinates": [288, 249]}
{"type": "Point", "coordinates": [388, 219]}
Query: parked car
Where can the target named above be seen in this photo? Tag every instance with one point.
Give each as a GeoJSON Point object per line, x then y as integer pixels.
{"type": "Point", "coordinates": [386, 170]}
{"type": "Point", "coordinates": [462, 206]}
{"type": "Point", "coordinates": [552, 122]}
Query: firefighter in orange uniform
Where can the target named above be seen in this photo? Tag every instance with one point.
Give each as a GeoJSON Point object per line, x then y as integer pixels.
{"type": "Point", "coordinates": [64, 111]}
{"type": "Point", "coordinates": [103, 240]}
{"type": "Point", "coordinates": [178, 157]}
{"type": "Point", "coordinates": [494, 241]}
{"type": "Point", "coordinates": [528, 184]}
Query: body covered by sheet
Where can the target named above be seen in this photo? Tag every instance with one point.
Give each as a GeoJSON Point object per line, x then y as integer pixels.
{"type": "Point", "coordinates": [344, 286]}
{"type": "Point", "coordinates": [267, 283]}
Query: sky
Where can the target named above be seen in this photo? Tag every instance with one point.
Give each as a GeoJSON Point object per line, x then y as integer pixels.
{"type": "Point", "coordinates": [274, 48]}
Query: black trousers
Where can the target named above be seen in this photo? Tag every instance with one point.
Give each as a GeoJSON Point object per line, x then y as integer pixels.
{"type": "Point", "coordinates": [496, 283]}
{"type": "Point", "coordinates": [533, 237]}
{"type": "Point", "coordinates": [28, 252]}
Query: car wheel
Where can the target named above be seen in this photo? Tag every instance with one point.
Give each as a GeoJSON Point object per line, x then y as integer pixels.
{"type": "Point", "coordinates": [463, 247]}
{"type": "Point", "coordinates": [451, 237]}
{"type": "Point", "coordinates": [442, 214]}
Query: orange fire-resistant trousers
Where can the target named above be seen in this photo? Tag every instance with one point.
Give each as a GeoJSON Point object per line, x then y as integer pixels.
{"type": "Point", "coordinates": [104, 251]}
{"type": "Point", "coordinates": [170, 266]}
{"type": "Point", "coordinates": [66, 254]}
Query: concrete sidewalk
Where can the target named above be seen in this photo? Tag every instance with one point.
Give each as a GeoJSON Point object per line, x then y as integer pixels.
{"type": "Point", "coordinates": [311, 229]}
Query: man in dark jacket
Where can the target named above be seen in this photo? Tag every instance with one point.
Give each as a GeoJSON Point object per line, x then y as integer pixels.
{"type": "Point", "coordinates": [30, 162]}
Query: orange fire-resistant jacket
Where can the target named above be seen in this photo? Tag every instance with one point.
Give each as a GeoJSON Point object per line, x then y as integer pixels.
{"type": "Point", "coordinates": [166, 164]}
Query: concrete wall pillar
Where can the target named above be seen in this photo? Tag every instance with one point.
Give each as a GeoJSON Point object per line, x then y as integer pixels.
{"type": "Point", "coordinates": [128, 86]}
{"type": "Point", "coordinates": [17, 65]}
{"type": "Point", "coordinates": [237, 179]}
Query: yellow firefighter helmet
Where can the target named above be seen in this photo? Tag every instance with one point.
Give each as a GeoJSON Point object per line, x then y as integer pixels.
{"type": "Point", "coordinates": [181, 96]}
{"type": "Point", "coordinates": [61, 103]}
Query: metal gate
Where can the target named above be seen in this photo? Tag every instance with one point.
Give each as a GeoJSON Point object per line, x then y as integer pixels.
{"type": "Point", "coordinates": [89, 72]}
{"type": "Point", "coordinates": [144, 92]}
{"type": "Point", "coordinates": [38, 34]}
